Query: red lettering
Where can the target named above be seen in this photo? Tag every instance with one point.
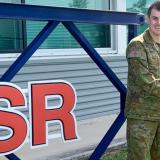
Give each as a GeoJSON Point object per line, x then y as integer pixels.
{"type": "Point", "coordinates": [12, 119]}
{"type": "Point", "coordinates": [40, 114]}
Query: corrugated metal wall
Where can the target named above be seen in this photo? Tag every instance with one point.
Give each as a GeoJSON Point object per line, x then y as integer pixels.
{"type": "Point", "coordinates": [96, 96]}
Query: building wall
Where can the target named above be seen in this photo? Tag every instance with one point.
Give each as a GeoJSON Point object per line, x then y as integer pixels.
{"type": "Point", "coordinates": [97, 102]}
{"type": "Point", "coordinates": [96, 96]}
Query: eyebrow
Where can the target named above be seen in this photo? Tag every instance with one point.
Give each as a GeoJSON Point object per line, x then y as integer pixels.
{"type": "Point", "coordinates": [154, 16]}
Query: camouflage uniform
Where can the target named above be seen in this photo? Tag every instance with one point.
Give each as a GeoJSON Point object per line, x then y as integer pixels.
{"type": "Point", "coordinates": [143, 98]}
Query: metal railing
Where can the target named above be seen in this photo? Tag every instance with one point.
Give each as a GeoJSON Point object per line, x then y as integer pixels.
{"type": "Point", "coordinates": [67, 16]}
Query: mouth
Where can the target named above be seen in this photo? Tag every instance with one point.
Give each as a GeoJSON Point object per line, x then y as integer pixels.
{"type": "Point", "coordinates": [157, 28]}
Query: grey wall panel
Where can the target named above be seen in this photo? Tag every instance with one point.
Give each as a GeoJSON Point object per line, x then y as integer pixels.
{"type": "Point", "coordinates": [96, 96]}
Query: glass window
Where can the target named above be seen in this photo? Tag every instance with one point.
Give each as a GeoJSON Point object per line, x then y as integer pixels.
{"type": "Point", "coordinates": [98, 35]}
{"type": "Point", "coordinates": [139, 6]}
{"type": "Point", "coordinates": [10, 33]}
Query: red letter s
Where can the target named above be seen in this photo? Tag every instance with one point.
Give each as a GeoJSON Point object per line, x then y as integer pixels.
{"type": "Point", "coordinates": [12, 119]}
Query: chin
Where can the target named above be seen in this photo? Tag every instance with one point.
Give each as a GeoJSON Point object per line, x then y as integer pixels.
{"type": "Point", "coordinates": [157, 32]}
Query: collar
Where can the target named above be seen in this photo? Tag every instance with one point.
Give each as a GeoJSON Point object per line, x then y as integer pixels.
{"type": "Point", "coordinates": [147, 37]}
{"type": "Point", "coordinates": [149, 40]}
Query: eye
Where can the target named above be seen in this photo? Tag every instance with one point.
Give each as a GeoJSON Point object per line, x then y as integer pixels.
{"type": "Point", "coordinates": [155, 18]}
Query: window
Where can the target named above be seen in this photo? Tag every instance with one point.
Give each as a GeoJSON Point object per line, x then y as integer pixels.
{"type": "Point", "coordinates": [98, 35]}
{"type": "Point", "coordinates": [11, 33]}
{"type": "Point", "coordinates": [139, 6]}
{"type": "Point", "coordinates": [15, 35]}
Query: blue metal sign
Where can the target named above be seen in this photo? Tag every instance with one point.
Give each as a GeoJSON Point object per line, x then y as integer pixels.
{"type": "Point", "coordinates": [67, 16]}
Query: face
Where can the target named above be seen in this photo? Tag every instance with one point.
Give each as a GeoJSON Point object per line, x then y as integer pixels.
{"type": "Point", "coordinates": [154, 22]}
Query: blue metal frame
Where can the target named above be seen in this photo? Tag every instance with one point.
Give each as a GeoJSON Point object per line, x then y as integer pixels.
{"type": "Point", "coordinates": [112, 77]}
{"type": "Point", "coordinates": [46, 13]}
{"type": "Point", "coordinates": [54, 15]}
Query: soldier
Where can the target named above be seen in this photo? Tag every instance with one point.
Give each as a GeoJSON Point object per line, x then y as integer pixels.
{"type": "Point", "coordinates": [143, 95]}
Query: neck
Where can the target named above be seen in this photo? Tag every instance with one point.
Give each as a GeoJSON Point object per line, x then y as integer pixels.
{"type": "Point", "coordinates": [155, 37]}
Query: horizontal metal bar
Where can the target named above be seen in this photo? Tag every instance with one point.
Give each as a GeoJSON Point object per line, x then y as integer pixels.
{"type": "Point", "coordinates": [46, 13]}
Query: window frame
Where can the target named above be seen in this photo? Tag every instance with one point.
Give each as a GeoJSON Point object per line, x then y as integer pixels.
{"type": "Point", "coordinates": [117, 42]}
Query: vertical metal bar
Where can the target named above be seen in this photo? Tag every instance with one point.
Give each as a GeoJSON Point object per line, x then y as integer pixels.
{"type": "Point", "coordinates": [103, 145]}
{"type": "Point", "coordinates": [95, 56]}
{"type": "Point", "coordinates": [132, 31]}
{"type": "Point", "coordinates": [122, 102]}
{"type": "Point", "coordinates": [28, 52]}
{"type": "Point", "coordinates": [24, 34]}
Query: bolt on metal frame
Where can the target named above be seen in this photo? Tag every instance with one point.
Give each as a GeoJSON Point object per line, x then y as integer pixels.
{"type": "Point", "coordinates": [67, 16]}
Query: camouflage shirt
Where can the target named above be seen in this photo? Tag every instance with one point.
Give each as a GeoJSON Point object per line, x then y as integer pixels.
{"type": "Point", "coordinates": [143, 94]}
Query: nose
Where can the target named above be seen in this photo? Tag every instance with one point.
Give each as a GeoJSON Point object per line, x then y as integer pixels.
{"type": "Point", "coordinates": [158, 21]}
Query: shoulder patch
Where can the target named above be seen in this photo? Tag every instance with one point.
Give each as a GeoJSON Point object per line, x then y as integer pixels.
{"type": "Point", "coordinates": [134, 52]}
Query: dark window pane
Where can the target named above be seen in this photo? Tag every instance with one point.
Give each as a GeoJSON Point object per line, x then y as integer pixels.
{"type": "Point", "coordinates": [10, 33]}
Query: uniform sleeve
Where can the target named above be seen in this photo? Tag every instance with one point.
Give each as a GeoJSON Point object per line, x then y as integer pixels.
{"type": "Point", "coordinates": [139, 72]}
